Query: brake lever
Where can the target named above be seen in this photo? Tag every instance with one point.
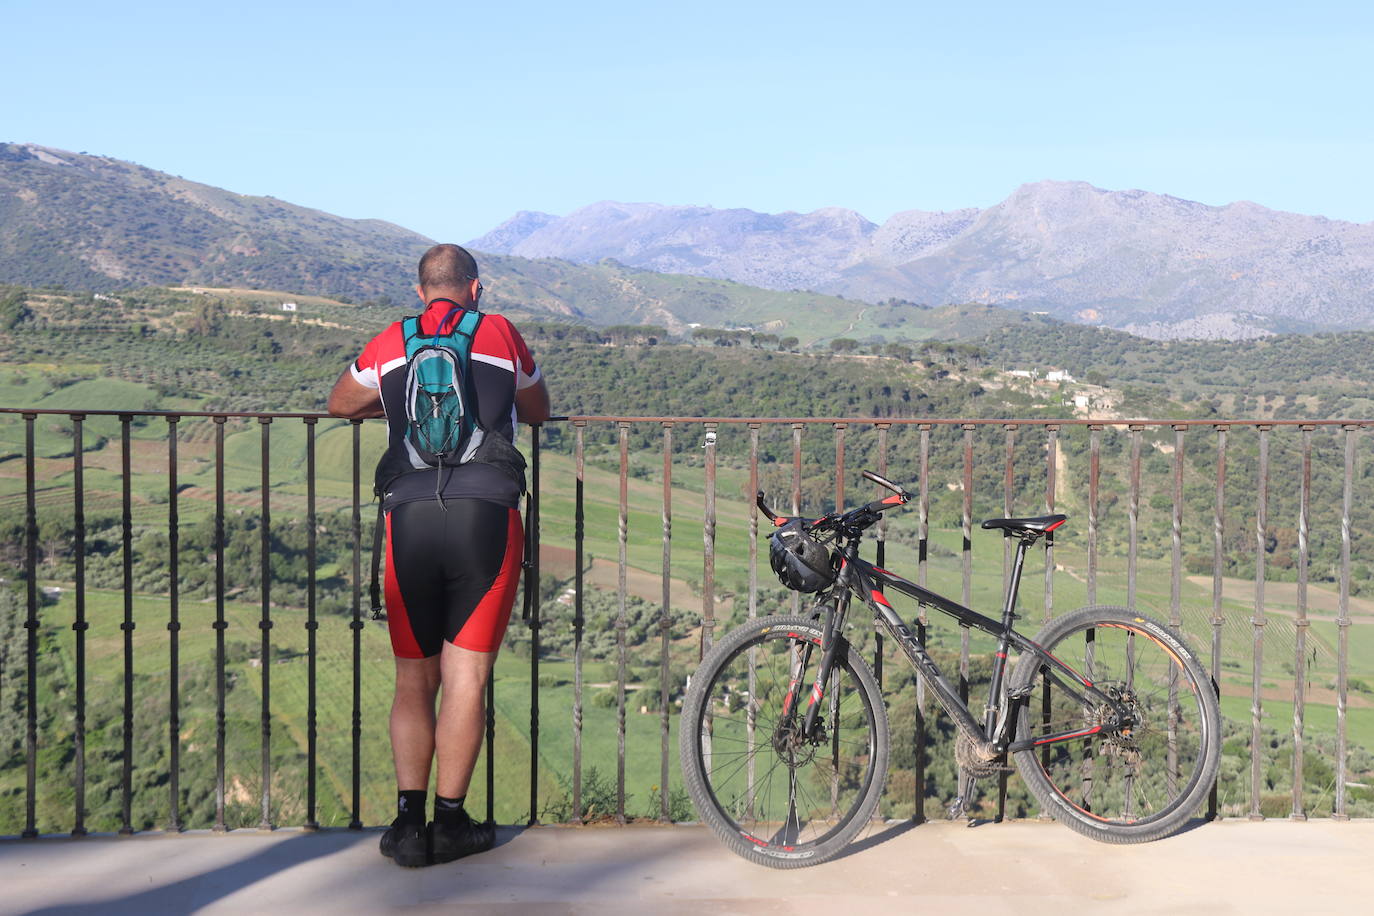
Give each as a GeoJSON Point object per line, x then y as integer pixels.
{"type": "Point", "coordinates": [763, 507]}
{"type": "Point", "coordinates": [884, 482]}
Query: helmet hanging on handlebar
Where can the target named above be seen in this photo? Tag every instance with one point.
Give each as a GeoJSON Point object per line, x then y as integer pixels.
{"type": "Point", "coordinates": [802, 563]}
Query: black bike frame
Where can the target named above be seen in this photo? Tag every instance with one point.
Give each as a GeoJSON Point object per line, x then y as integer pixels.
{"type": "Point", "coordinates": [859, 577]}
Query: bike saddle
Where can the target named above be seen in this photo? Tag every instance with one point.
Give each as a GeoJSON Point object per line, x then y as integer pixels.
{"type": "Point", "coordinates": [1039, 525]}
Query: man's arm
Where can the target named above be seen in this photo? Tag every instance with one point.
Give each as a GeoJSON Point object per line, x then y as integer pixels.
{"type": "Point", "coordinates": [354, 401]}
{"type": "Point", "coordinates": [531, 404]}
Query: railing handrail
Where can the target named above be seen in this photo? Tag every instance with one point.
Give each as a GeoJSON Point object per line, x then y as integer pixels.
{"type": "Point", "coordinates": [891, 421]}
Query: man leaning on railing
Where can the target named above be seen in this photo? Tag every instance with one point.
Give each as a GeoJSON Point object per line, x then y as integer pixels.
{"type": "Point", "coordinates": [451, 384]}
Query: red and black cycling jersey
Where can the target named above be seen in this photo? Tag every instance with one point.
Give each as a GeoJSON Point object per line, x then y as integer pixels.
{"type": "Point", "coordinates": [500, 365]}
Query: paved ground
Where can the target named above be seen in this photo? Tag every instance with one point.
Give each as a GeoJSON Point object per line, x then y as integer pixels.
{"type": "Point", "coordinates": [1022, 868]}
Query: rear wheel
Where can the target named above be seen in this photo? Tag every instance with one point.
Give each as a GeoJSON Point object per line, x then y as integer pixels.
{"type": "Point", "coordinates": [1119, 785]}
{"type": "Point", "coordinates": [772, 795]}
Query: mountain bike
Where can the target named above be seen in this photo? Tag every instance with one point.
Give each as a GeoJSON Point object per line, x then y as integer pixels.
{"type": "Point", "coordinates": [1107, 714]}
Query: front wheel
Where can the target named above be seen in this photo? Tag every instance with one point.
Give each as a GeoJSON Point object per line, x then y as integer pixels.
{"type": "Point", "coordinates": [773, 795]}
{"type": "Point", "coordinates": [1117, 784]}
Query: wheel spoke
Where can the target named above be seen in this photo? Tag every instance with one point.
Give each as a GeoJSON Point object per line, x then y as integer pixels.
{"type": "Point", "coordinates": [791, 794]}
{"type": "Point", "coordinates": [1153, 746]}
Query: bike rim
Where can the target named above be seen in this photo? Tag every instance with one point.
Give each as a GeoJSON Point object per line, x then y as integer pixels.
{"type": "Point", "coordinates": [790, 800]}
{"type": "Point", "coordinates": [1114, 779]}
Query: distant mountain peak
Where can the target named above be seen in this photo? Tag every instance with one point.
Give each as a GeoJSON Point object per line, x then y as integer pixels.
{"type": "Point", "coordinates": [1133, 258]}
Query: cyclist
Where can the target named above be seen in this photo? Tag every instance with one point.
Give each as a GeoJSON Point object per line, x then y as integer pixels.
{"type": "Point", "coordinates": [452, 562]}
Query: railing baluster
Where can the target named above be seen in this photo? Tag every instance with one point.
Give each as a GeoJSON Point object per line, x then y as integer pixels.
{"type": "Point", "coordinates": [1133, 517]}
{"type": "Point", "coordinates": [173, 629]}
{"type": "Point", "coordinates": [532, 591]}
{"type": "Point", "coordinates": [219, 625]}
{"type": "Point", "coordinates": [579, 534]}
{"type": "Point", "coordinates": [1257, 623]}
{"type": "Point", "coordinates": [665, 622]}
{"type": "Point", "coordinates": [31, 635]}
{"type": "Point", "coordinates": [796, 492]}
{"type": "Point", "coordinates": [1218, 565]}
{"type": "Point", "coordinates": [923, 516]}
{"type": "Point", "coordinates": [127, 559]}
{"type": "Point", "coordinates": [489, 740]}
{"type": "Point", "coordinates": [1094, 470]}
{"type": "Point", "coordinates": [1300, 628]}
{"type": "Point", "coordinates": [1051, 480]}
{"type": "Point", "coordinates": [1175, 602]}
{"type": "Point", "coordinates": [81, 625]}
{"type": "Point", "coordinates": [1176, 536]}
{"type": "Point", "coordinates": [753, 521]}
{"type": "Point", "coordinates": [620, 621]}
{"type": "Point", "coordinates": [881, 552]}
{"type": "Point", "coordinates": [750, 709]}
{"type": "Point", "coordinates": [918, 816]}
{"type": "Point", "coordinates": [356, 625]}
{"type": "Point", "coordinates": [839, 465]}
{"type": "Point", "coordinates": [1008, 481]}
{"type": "Point", "coordinates": [265, 624]}
{"type": "Point", "coordinates": [312, 627]}
{"type": "Point", "coordinates": [966, 554]}
{"type": "Point", "coordinates": [708, 541]}
{"type": "Point", "coordinates": [1343, 627]}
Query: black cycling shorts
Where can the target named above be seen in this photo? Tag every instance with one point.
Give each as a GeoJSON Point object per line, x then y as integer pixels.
{"type": "Point", "coordinates": [451, 574]}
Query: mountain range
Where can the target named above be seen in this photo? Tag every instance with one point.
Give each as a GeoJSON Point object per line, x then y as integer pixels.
{"type": "Point", "coordinates": [1149, 263]}
{"type": "Point", "coordinates": [99, 224]}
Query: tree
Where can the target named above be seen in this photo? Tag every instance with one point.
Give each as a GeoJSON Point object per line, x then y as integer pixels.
{"type": "Point", "coordinates": [844, 345]}
{"type": "Point", "coordinates": [13, 311]}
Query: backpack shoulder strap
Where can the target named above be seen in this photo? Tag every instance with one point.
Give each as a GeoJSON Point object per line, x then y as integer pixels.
{"type": "Point", "coordinates": [410, 333]}
{"type": "Point", "coordinates": [467, 328]}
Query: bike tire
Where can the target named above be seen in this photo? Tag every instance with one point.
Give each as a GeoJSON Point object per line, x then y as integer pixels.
{"type": "Point", "coordinates": [1113, 788]}
{"type": "Point", "coordinates": [834, 785]}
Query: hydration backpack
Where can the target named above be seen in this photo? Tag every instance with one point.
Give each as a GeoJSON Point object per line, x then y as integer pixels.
{"type": "Point", "coordinates": [441, 413]}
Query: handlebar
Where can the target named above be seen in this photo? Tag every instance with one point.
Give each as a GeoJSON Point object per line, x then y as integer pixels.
{"type": "Point", "coordinates": [874, 509]}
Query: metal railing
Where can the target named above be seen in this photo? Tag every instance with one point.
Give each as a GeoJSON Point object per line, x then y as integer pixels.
{"type": "Point", "coordinates": [1038, 466]}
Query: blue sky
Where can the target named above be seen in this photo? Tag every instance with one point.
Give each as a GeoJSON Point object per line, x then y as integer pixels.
{"type": "Point", "coordinates": [447, 118]}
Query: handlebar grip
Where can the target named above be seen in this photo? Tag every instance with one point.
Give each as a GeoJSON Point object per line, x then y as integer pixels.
{"type": "Point", "coordinates": [769, 513]}
{"type": "Point", "coordinates": [883, 482]}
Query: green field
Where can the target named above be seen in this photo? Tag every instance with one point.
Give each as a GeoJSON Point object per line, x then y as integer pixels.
{"type": "Point", "coordinates": [287, 480]}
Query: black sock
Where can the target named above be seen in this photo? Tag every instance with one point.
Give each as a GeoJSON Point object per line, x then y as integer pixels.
{"type": "Point", "coordinates": [410, 806]}
{"type": "Point", "coordinates": [449, 811]}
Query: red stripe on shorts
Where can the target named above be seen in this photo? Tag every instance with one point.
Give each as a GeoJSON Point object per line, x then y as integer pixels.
{"type": "Point", "coordinates": [403, 644]}
{"type": "Point", "coordinates": [487, 625]}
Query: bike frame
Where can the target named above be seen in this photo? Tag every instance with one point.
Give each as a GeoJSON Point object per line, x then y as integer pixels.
{"type": "Point", "coordinates": [859, 577]}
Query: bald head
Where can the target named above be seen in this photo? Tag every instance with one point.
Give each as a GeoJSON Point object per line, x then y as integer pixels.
{"type": "Point", "coordinates": [445, 268]}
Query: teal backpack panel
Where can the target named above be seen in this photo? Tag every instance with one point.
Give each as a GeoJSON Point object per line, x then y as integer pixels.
{"type": "Point", "coordinates": [440, 410]}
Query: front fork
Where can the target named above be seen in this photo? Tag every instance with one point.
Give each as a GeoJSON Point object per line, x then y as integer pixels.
{"type": "Point", "coordinates": [832, 617]}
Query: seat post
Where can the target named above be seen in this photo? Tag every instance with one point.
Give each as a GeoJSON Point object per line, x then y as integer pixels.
{"type": "Point", "coordinates": [1023, 543]}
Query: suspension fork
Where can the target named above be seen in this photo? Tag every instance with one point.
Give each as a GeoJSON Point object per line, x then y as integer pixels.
{"type": "Point", "coordinates": [835, 613]}
{"type": "Point", "coordinates": [832, 621]}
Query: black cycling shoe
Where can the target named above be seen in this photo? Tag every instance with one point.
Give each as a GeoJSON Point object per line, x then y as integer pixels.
{"type": "Point", "coordinates": [449, 842]}
{"type": "Point", "coordinates": [406, 843]}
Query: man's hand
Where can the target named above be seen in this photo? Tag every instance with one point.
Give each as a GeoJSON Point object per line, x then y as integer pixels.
{"type": "Point", "coordinates": [354, 401]}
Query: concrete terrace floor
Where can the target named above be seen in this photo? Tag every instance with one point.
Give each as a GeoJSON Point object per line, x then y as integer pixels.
{"type": "Point", "coordinates": [1018, 867]}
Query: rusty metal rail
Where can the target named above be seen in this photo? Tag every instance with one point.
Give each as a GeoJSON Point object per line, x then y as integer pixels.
{"type": "Point", "coordinates": [1119, 473]}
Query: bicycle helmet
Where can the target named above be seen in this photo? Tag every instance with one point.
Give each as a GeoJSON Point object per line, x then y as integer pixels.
{"type": "Point", "coordinates": [802, 563]}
